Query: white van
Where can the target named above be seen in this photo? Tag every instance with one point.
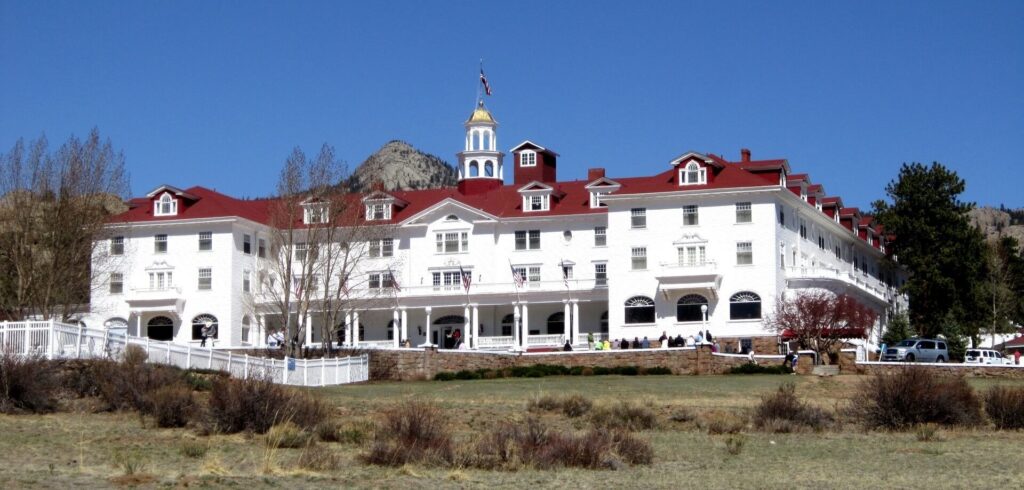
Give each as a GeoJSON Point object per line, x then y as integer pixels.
{"type": "Point", "coordinates": [985, 356]}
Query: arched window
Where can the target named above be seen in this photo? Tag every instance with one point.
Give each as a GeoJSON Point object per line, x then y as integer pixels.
{"type": "Point", "coordinates": [451, 320]}
{"type": "Point", "coordinates": [116, 323]}
{"type": "Point", "coordinates": [166, 205]}
{"type": "Point", "coordinates": [200, 321]}
{"type": "Point", "coordinates": [507, 322]}
{"type": "Point", "coordinates": [451, 217]}
{"type": "Point", "coordinates": [639, 309]}
{"type": "Point", "coordinates": [744, 305]}
{"type": "Point", "coordinates": [604, 322]}
{"type": "Point", "coordinates": [556, 323]}
{"type": "Point", "coordinates": [693, 174]}
{"type": "Point", "coordinates": [489, 169]}
{"type": "Point", "coordinates": [476, 140]}
{"type": "Point", "coordinates": [160, 328]}
{"type": "Point", "coordinates": [487, 140]}
{"type": "Point", "coordinates": [474, 169]}
{"type": "Point", "coordinates": [245, 328]}
{"type": "Point", "coordinates": [688, 308]}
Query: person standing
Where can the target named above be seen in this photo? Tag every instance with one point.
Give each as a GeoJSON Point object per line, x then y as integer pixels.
{"type": "Point", "coordinates": [796, 358]}
{"type": "Point", "coordinates": [590, 340]}
{"type": "Point", "coordinates": [204, 332]}
{"type": "Point", "coordinates": [1016, 357]}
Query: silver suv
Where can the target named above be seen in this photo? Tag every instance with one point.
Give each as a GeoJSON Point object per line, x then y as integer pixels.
{"type": "Point", "coordinates": [917, 350]}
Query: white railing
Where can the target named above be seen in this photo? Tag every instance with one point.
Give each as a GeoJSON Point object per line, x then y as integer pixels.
{"type": "Point", "coordinates": [864, 282]}
{"type": "Point", "coordinates": [581, 338]}
{"type": "Point", "coordinates": [54, 340]}
{"type": "Point", "coordinates": [494, 342]}
{"type": "Point", "coordinates": [376, 344]}
{"type": "Point", "coordinates": [546, 340]}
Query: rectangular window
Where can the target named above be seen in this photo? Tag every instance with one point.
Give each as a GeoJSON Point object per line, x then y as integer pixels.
{"type": "Point", "coordinates": [528, 240]}
{"type": "Point", "coordinates": [527, 159]}
{"type": "Point", "coordinates": [821, 242]}
{"type": "Point", "coordinates": [245, 282]}
{"type": "Point", "coordinates": [378, 211]}
{"type": "Point", "coordinates": [262, 250]}
{"type": "Point", "coordinates": [160, 244]}
{"type": "Point", "coordinates": [600, 236]}
{"type": "Point", "coordinates": [205, 240]}
{"type": "Point", "coordinates": [744, 253]}
{"type": "Point", "coordinates": [205, 279]}
{"type": "Point", "coordinates": [160, 280]}
{"type": "Point", "coordinates": [601, 274]}
{"type": "Point", "coordinates": [116, 283]}
{"type": "Point", "coordinates": [387, 247]}
{"type": "Point", "coordinates": [638, 217]}
{"type": "Point", "coordinates": [465, 241]}
{"type": "Point", "coordinates": [803, 229]}
{"type": "Point", "coordinates": [117, 245]}
{"type": "Point", "coordinates": [743, 214]}
{"type": "Point", "coordinates": [536, 203]}
{"type": "Point", "coordinates": [300, 251]}
{"type": "Point", "coordinates": [782, 217]}
{"type": "Point", "coordinates": [247, 244]}
{"type": "Point", "coordinates": [838, 252]}
{"type": "Point", "coordinates": [639, 256]}
{"type": "Point", "coordinates": [375, 280]}
{"type": "Point", "coordinates": [534, 274]}
{"type": "Point", "coordinates": [567, 271]}
{"type": "Point", "coordinates": [451, 243]}
{"type": "Point", "coordinates": [692, 255]}
{"type": "Point", "coordinates": [690, 215]}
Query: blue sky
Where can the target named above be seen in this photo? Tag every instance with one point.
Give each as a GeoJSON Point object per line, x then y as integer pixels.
{"type": "Point", "coordinates": [218, 93]}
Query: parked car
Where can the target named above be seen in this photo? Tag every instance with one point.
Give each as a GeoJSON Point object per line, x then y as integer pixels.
{"type": "Point", "coordinates": [986, 356]}
{"type": "Point", "coordinates": [917, 350]}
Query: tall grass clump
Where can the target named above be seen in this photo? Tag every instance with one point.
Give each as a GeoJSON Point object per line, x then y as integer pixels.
{"type": "Point", "coordinates": [624, 416]}
{"type": "Point", "coordinates": [172, 405]}
{"type": "Point", "coordinates": [256, 404]}
{"type": "Point", "coordinates": [27, 384]}
{"type": "Point", "coordinates": [782, 411]}
{"type": "Point", "coordinates": [914, 396]}
{"type": "Point", "coordinates": [1005, 407]}
{"type": "Point", "coordinates": [412, 432]}
{"type": "Point", "coordinates": [532, 444]}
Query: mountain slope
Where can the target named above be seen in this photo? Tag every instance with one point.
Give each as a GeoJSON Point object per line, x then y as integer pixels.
{"type": "Point", "coordinates": [994, 222]}
{"type": "Point", "coordinates": [397, 165]}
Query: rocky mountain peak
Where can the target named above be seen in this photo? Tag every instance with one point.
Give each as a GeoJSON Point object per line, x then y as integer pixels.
{"type": "Point", "coordinates": [399, 166]}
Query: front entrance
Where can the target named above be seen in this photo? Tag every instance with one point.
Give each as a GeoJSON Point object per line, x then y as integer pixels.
{"type": "Point", "coordinates": [448, 332]}
{"type": "Point", "coordinates": [160, 328]}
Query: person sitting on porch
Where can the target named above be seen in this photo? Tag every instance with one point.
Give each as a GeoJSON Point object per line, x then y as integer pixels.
{"type": "Point", "coordinates": [645, 344]}
{"type": "Point", "coordinates": [568, 346]}
{"type": "Point", "coordinates": [599, 346]}
{"type": "Point", "coordinates": [590, 340]}
{"type": "Point", "coordinates": [664, 338]}
{"type": "Point", "coordinates": [636, 343]}
{"type": "Point", "coordinates": [680, 341]}
{"type": "Point", "coordinates": [606, 345]}
{"type": "Point", "coordinates": [623, 343]}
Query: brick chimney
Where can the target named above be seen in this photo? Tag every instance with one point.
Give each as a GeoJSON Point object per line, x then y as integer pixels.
{"type": "Point", "coordinates": [744, 155]}
{"type": "Point", "coordinates": [595, 173]}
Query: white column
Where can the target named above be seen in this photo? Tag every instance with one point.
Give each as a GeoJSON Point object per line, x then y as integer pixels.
{"type": "Point", "coordinates": [428, 341]}
{"type": "Point", "coordinates": [405, 324]}
{"type": "Point", "coordinates": [567, 321]}
{"type": "Point", "coordinates": [355, 328]}
{"type": "Point", "coordinates": [526, 326]}
{"type": "Point", "coordinates": [309, 329]}
{"type": "Point", "coordinates": [348, 329]}
{"type": "Point", "coordinates": [465, 327]}
{"type": "Point", "coordinates": [475, 327]}
{"type": "Point", "coordinates": [575, 320]}
{"type": "Point", "coordinates": [515, 326]}
{"type": "Point", "coordinates": [138, 325]}
{"type": "Point", "coordinates": [394, 328]}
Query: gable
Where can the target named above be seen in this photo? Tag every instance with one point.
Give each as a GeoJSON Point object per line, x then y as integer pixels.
{"type": "Point", "coordinates": [448, 206]}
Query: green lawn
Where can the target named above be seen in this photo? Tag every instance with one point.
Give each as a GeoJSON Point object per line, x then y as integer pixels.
{"type": "Point", "coordinates": [92, 450]}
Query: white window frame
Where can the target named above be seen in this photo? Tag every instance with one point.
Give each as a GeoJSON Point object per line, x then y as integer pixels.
{"type": "Point", "coordinates": [165, 205]}
{"type": "Point", "coordinates": [638, 258]}
{"type": "Point", "coordinates": [205, 241]}
{"type": "Point", "coordinates": [315, 213]}
{"type": "Point", "coordinates": [378, 211]}
{"type": "Point", "coordinates": [159, 239]}
{"type": "Point", "coordinates": [536, 202]}
{"type": "Point", "coordinates": [117, 245]}
{"type": "Point", "coordinates": [246, 282]}
{"type": "Point", "coordinates": [247, 244]}
{"type": "Point", "coordinates": [116, 285]}
{"type": "Point", "coordinates": [745, 253]}
{"type": "Point", "coordinates": [528, 236]}
{"type": "Point", "coordinates": [205, 282]}
{"type": "Point", "coordinates": [638, 218]}
{"type": "Point", "coordinates": [600, 236]}
{"type": "Point", "coordinates": [261, 248]}
{"type": "Point", "coordinates": [693, 174]}
{"type": "Point", "coordinates": [601, 274]}
{"type": "Point", "coordinates": [381, 247]}
{"type": "Point", "coordinates": [527, 158]}
{"type": "Point", "coordinates": [744, 212]}
{"type": "Point", "coordinates": [691, 212]}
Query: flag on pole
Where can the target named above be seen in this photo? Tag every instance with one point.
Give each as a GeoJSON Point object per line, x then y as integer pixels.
{"type": "Point", "coordinates": [517, 277]}
{"type": "Point", "coordinates": [483, 80]}
{"type": "Point", "coordinates": [565, 274]}
{"type": "Point", "coordinates": [467, 278]}
{"type": "Point", "coordinates": [394, 281]}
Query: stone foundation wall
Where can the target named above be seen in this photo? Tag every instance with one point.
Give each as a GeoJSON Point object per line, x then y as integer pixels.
{"type": "Point", "coordinates": [970, 371]}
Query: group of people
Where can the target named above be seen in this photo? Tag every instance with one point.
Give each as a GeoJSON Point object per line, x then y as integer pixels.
{"type": "Point", "coordinates": [700, 339]}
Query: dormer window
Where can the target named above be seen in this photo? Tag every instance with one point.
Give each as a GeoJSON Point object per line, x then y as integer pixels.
{"type": "Point", "coordinates": [165, 206]}
{"type": "Point", "coordinates": [599, 188]}
{"type": "Point", "coordinates": [315, 213]}
{"type": "Point", "coordinates": [803, 193]}
{"type": "Point", "coordinates": [378, 212]}
{"type": "Point", "coordinates": [528, 158]}
{"type": "Point", "coordinates": [595, 199]}
{"type": "Point", "coordinates": [537, 202]}
{"type": "Point", "coordinates": [693, 174]}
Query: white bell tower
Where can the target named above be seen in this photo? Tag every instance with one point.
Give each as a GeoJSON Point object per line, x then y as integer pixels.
{"type": "Point", "coordinates": [480, 160]}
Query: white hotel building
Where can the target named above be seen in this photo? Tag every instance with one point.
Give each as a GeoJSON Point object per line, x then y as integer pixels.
{"type": "Point", "coordinates": [708, 244]}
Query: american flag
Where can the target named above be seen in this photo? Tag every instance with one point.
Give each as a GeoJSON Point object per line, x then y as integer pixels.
{"type": "Point", "coordinates": [394, 281]}
{"type": "Point", "coordinates": [467, 278]}
{"type": "Point", "coordinates": [483, 80]}
{"type": "Point", "coordinates": [517, 277]}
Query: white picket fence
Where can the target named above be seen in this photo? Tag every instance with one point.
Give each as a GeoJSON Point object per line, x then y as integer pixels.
{"type": "Point", "coordinates": [54, 340]}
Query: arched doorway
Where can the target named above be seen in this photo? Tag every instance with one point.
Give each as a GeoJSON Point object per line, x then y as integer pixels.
{"type": "Point", "coordinates": [448, 332]}
{"type": "Point", "coordinates": [556, 323]}
{"type": "Point", "coordinates": [200, 321]}
{"type": "Point", "coordinates": [160, 328]}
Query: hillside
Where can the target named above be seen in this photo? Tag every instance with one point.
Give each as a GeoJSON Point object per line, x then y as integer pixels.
{"type": "Point", "coordinates": [994, 222]}
{"type": "Point", "coordinates": [397, 165]}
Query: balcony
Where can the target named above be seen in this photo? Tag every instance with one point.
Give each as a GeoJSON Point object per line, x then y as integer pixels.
{"type": "Point", "coordinates": [692, 276]}
{"type": "Point", "coordinates": [507, 287]}
{"type": "Point", "coordinates": [808, 276]}
{"type": "Point", "coordinates": [161, 299]}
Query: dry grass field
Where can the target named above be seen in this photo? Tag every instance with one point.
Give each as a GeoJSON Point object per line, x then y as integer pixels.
{"type": "Point", "coordinates": [106, 450]}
